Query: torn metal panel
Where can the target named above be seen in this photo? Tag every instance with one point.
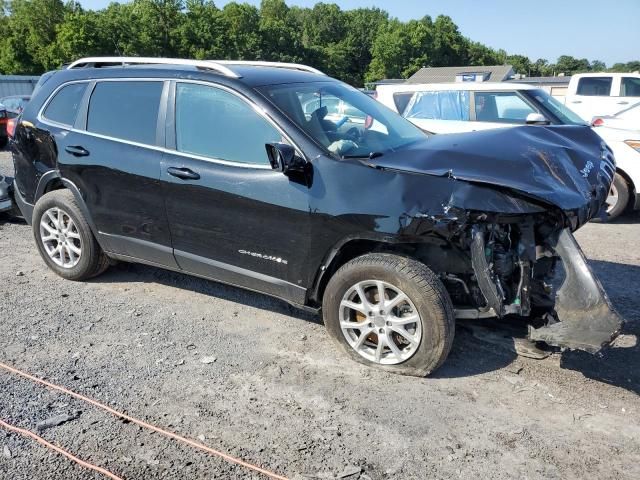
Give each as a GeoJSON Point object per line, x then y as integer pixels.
{"type": "Point", "coordinates": [587, 320]}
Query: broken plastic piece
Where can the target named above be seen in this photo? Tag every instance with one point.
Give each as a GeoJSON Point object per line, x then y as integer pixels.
{"type": "Point", "coordinates": [587, 320]}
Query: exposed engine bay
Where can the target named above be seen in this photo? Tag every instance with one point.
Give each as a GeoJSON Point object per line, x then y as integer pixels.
{"type": "Point", "coordinates": [530, 266]}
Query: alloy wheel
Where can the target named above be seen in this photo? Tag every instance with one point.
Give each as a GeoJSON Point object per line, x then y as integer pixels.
{"type": "Point", "coordinates": [60, 238]}
{"type": "Point", "coordinates": [380, 322]}
{"type": "Point", "coordinates": [612, 198]}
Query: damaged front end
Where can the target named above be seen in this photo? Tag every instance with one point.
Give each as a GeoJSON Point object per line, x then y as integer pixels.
{"type": "Point", "coordinates": [510, 200]}
{"type": "Point", "coordinates": [522, 269]}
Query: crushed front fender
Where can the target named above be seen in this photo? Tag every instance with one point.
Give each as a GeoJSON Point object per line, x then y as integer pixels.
{"type": "Point", "coordinates": [586, 320]}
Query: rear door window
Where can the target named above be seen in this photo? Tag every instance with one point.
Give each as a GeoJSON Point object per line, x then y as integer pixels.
{"type": "Point", "coordinates": [439, 105]}
{"type": "Point", "coordinates": [630, 87]}
{"type": "Point", "coordinates": [501, 107]}
{"type": "Point", "coordinates": [64, 106]}
{"type": "Point", "coordinates": [126, 110]}
{"type": "Point", "coordinates": [595, 86]}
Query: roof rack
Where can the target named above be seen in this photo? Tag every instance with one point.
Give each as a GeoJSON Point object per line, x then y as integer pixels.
{"type": "Point", "coordinates": [220, 66]}
{"type": "Point", "coordinates": [258, 63]}
{"type": "Point", "coordinates": [205, 64]}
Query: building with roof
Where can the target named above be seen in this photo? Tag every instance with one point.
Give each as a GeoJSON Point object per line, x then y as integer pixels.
{"type": "Point", "coordinates": [556, 86]}
{"type": "Point", "coordinates": [491, 73]}
{"type": "Point", "coordinates": [17, 84]}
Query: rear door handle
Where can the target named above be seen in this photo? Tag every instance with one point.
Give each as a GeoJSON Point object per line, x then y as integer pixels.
{"type": "Point", "coordinates": [183, 173]}
{"type": "Point", "coordinates": [77, 150]}
{"type": "Point", "coordinates": [623, 103]}
{"type": "Point", "coordinates": [576, 101]}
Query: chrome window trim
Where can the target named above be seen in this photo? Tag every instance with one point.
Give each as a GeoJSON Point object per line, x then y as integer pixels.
{"type": "Point", "coordinates": [260, 111]}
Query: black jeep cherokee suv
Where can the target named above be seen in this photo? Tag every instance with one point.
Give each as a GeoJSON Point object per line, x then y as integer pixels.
{"type": "Point", "coordinates": [279, 179]}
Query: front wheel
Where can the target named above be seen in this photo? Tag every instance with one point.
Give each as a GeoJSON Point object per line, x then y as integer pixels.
{"type": "Point", "coordinates": [618, 197]}
{"type": "Point", "coordinates": [390, 312]}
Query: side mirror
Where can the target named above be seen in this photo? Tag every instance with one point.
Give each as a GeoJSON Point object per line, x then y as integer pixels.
{"type": "Point", "coordinates": [537, 119]}
{"type": "Point", "coordinates": [283, 158]}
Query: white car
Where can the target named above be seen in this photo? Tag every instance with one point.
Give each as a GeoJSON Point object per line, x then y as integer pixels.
{"type": "Point", "coordinates": [594, 94]}
{"type": "Point", "coordinates": [627, 119]}
{"type": "Point", "coordinates": [467, 107]}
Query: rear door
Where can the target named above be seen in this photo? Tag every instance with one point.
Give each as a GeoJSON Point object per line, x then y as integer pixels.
{"type": "Point", "coordinates": [232, 217]}
{"type": "Point", "coordinates": [629, 92]}
{"type": "Point", "coordinates": [113, 157]}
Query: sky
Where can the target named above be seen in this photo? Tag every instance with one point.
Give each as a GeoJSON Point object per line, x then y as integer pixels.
{"type": "Point", "coordinates": [592, 29]}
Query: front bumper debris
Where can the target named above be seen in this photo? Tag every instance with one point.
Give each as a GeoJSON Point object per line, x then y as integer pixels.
{"type": "Point", "coordinates": [6, 203]}
{"type": "Point", "coordinates": [586, 320]}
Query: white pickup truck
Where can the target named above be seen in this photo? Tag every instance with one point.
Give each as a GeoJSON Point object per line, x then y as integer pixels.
{"type": "Point", "coordinates": [598, 94]}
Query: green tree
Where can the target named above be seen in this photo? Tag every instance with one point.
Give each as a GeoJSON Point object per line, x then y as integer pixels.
{"type": "Point", "coordinates": [243, 40]}
{"type": "Point", "coordinates": [202, 31]}
{"type": "Point", "coordinates": [569, 65]}
{"type": "Point", "coordinates": [28, 43]}
{"type": "Point", "coordinates": [280, 40]}
{"type": "Point", "coordinates": [449, 46]}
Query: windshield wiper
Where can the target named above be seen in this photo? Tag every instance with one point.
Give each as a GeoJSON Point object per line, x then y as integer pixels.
{"type": "Point", "coordinates": [370, 156]}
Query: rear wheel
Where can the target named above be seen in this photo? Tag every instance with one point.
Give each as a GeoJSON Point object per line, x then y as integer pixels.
{"type": "Point", "coordinates": [390, 312]}
{"type": "Point", "coordinates": [64, 239]}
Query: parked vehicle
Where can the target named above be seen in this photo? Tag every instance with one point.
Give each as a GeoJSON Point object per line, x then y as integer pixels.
{"type": "Point", "coordinates": [597, 94]}
{"type": "Point", "coordinates": [625, 189]}
{"type": "Point", "coordinates": [627, 119]}
{"type": "Point", "coordinates": [464, 107]}
{"type": "Point", "coordinates": [15, 103]}
{"type": "Point", "coordinates": [10, 107]}
{"type": "Point", "coordinates": [467, 107]}
{"type": "Point", "coordinates": [215, 169]}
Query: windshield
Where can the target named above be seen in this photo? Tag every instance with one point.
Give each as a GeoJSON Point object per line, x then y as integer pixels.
{"type": "Point", "coordinates": [344, 120]}
{"type": "Point", "coordinates": [564, 114]}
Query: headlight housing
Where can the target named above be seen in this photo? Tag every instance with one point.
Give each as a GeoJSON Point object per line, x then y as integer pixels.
{"type": "Point", "coordinates": [635, 144]}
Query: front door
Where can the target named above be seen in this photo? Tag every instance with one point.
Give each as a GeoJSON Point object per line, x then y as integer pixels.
{"type": "Point", "coordinates": [231, 216]}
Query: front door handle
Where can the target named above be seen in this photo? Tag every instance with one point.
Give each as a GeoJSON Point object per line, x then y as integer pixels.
{"type": "Point", "coordinates": [77, 150]}
{"type": "Point", "coordinates": [576, 101]}
{"type": "Point", "coordinates": [183, 173]}
{"type": "Point", "coordinates": [623, 103]}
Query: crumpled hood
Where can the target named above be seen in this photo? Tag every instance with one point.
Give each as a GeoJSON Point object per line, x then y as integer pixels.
{"type": "Point", "coordinates": [567, 166]}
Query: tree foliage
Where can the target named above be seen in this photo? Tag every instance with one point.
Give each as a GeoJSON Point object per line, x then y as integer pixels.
{"type": "Point", "coordinates": [357, 45]}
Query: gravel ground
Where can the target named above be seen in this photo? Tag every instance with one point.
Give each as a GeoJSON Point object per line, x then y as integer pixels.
{"type": "Point", "coordinates": [279, 394]}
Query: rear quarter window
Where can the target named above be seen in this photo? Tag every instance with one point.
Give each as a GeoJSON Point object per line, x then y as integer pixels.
{"type": "Point", "coordinates": [126, 110]}
{"type": "Point", "coordinates": [64, 105]}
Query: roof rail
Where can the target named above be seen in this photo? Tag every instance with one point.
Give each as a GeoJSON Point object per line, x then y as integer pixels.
{"type": "Point", "coordinates": [205, 64]}
{"type": "Point", "coordinates": [220, 66]}
{"type": "Point", "coordinates": [258, 63]}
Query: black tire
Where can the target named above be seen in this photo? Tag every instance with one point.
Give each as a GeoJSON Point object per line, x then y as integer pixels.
{"type": "Point", "coordinates": [92, 261]}
{"type": "Point", "coordinates": [622, 188]}
{"type": "Point", "coordinates": [424, 289]}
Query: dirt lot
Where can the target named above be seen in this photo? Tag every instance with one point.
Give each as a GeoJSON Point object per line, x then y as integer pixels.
{"type": "Point", "coordinates": [280, 395]}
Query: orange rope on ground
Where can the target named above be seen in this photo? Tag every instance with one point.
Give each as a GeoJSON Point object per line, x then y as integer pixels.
{"type": "Point", "coordinates": [143, 424]}
{"type": "Point", "coordinates": [61, 451]}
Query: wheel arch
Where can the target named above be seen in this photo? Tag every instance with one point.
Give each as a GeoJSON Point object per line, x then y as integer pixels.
{"type": "Point", "coordinates": [634, 199]}
{"type": "Point", "coordinates": [350, 248]}
{"type": "Point", "coordinates": [52, 181]}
